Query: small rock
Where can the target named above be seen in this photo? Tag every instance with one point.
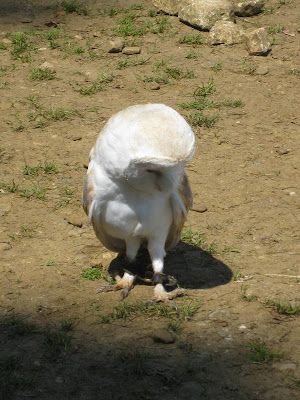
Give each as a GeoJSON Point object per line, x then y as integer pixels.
{"type": "Point", "coordinates": [51, 24]}
{"type": "Point", "coordinates": [42, 49]}
{"type": "Point", "coordinates": [191, 390]}
{"type": "Point", "coordinates": [163, 336]}
{"type": "Point", "coordinates": [97, 34]}
{"type": "Point", "coordinates": [74, 233]}
{"type": "Point", "coordinates": [285, 366]}
{"type": "Point", "coordinates": [154, 86]}
{"type": "Point", "coordinates": [247, 8]}
{"type": "Point", "coordinates": [281, 151]}
{"type": "Point", "coordinates": [59, 379]}
{"type": "Point", "coordinates": [79, 37]}
{"type": "Point", "coordinates": [75, 138]}
{"type": "Point", "coordinates": [226, 32]}
{"type": "Point", "coordinates": [6, 41]}
{"type": "Point", "coordinates": [257, 42]}
{"type": "Point", "coordinates": [26, 20]}
{"type": "Point", "coordinates": [37, 363]}
{"type": "Point", "coordinates": [5, 246]}
{"type": "Point", "coordinates": [201, 208]}
{"type": "Point", "coordinates": [116, 46]}
{"type": "Point", "coordinates": [167, 6]}
{"type": "Point", "coordinates": [205, 13]}
{"type": "Point", "coordinates": [46, 65]}
{"type": "Point", "coordinates": [73, 220]}
{"type": "Point", "coordinates": [262, 70]}
{"type": "Point", "coordinates": [5, 207]}
{"type": "Point", "coordinates": [131, 50]}
{"type": "Point", "coordinates": [220, 315]}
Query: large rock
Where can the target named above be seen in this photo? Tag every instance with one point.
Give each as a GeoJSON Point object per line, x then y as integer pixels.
{"type": "Point", "coordinates": [205, 13]}
{"type": "Point", "coordinates": [226, 32]}
{"type": "Point", "coordinates": [257, 42]}
{"type": "Point", "coordinates": [247, 8]}
{"type": "Point", "coordinates": [167, 6]}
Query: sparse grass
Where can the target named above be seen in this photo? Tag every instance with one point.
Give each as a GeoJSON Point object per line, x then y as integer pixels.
{"type": "Point", "coordinates": [78, 50]}
{"type": "Point", "coordinates": [212, 248]}
{"type": "Point", "coordinates": [259, 353]}
{"type": "Point", "coordinates": [247, 297]}
{"type": "Point", "coordinates": [233, 103]}
{"type": "Point", "coordinates": [127, 27]}
{"type": "Point", "coordinates": [269, 11]}
{"type": "Point", "coordinates": [191, 40]}
{"type": "Point", "coordinates": [92, 274]}
{"type": "Point", "coordinates": [3, 46]}
{"type": "Point", "coordinates": [39, 192]}
{"type": "Point", "coordinates": [74, 6]}
{"type": "Point", "coordinates": [294, 71]}
{"type": "Point", "coordinates": [248, 68]}
{"type": "Point", "coordinates": [205, 90]}
{"type": "Point", "coordinates": [198, 119]}
{"type": "Point", "coordinates": [58, 340]}
{"type": "Point", "coordinates": [41, 74]}
{"type": "Point", "coordinates": [191, 54]}
{"type": "Point", "coordinates": [50, 263]}
{"type": "Point", "coordinates": [272, 29]}
{"type": "Point", "coordinates": [31, 171]}
{"type": "Point", "coordinates": [52, 34]}
{"type": "Point", "coordinates": [95, 87]}
{"type": "Point", "coordinates": [283, 307]}
{"type": "Point", "coordinates": [16, 325]}
{"type": "Point", "coordinates": [152, 13]}
{"type": "Point", "coordinates": [173, 72]}
{"type": "Point", "coordinates": [217, 67]}
{"type": "Point", "coordinates": [237, 275]}
{"type": "Point", "coordinates": [21, 46]}
{"type": "Point", "coordinates": [200, 103]}
{"type": "Point", "coordinates": [231, 250]}
{"type": "Point", "coordinates": [193, 238]}
{"type": "Point", "coordinates": [50, 168]}
{"type": "Point", "coordinates": [135, 361]}
{"type": "Point", "coordinates": [105, 78]}
{"type": "Point", "coordinates": [11, 188]}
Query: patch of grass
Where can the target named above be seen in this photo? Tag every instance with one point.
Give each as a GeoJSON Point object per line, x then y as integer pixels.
{"type": "Point", "coordinates": [205, 90]}
{"type": "Point", "coordinates": [269, 11]}
{"type": "Point", "coordinates": [198, 119]}
{"type": "Point", "coordinates": [248, 68]}
{"type": "Point", "coordinates": [217, 67]}
{"type": "Point", "coordinates": [237, 275]}
{"type": "Point", "coordinates": [50, 263]}
{"type": "Point", "coordinates": [12, 187]}
{"type": "Point", "coordinates": [41, 74]}
{"type": "Point", "coordinates": [231, 250]}
{"type": "Point", "coordinates": [92, 274]}
{"type": "Point", "coordinates": [259, 353]}
{"type": "Point", "coordinates": [193, 238]}
{"type": "Point", "coordinates": [152, 13]}
{"type": "Point", "coordinates": [191, 54]}
{"type": "Point", "coordinates": [31, 171]}
{"type": "Point", "coordinates": [78, 50]}
{"type": "Point", "coordinates": [74, 6]}
{"type": "Point", "coordinates": [233, 103]}
{"type": "Point", "coordinates": [173, 72]}
{"type": "Point", "coordinates": [294, 71]}
{"type": "Point", "coordinates": [3, 46]}
{"type": "Point", "coordinates": [200, 103]}
{"type": "Point", "coordinates": [21, 46]}
{"type": "Point", "coordinates": [191, 40]}
{"type": "Point", "coordinates": [275, 29]}
{"type": "Point", "coordinates": [161, 25]}
{"type": "Point", "coordinates": [91, 89]}
{"type": "Point", "coordinates": [16, 325]}
{"type": "Point", "coordinates": [105, 78]}
{"type": "Point", "coordinates": [246, 296]}
{"type": "Point", "coordinates": [50, 168]}
{"type": "Point", "coordinates": [212, 248]}
{"type": "Point", "coordinates": [283, 307]}
{"type": "Point", "coordinates": [38, 192]}
{"type": "Point", "coordinates": [127, 27]}
{"type": "Point", "coordinates": [174, 325]}
{"type": "Point", "coordinates": [52, 34]}
{"type": "Point", "coordinates": [58, 340]}
{"type": "Point", "coordinates": [135, 361]}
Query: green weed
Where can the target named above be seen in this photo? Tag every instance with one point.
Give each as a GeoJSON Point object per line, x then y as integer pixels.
{"type": "Point", "coordinates": [191, 54]}
{"type": "Point", "coordinates": [233, 103]}
{"type": "Point", "coordinates": [198, 119]}
{"type": "Point", "coordinates": [92, 274]}
{"type": "Point", "coordinates": [74, 6]}
{"type": "Point", "coordinates": [217, 67]}
{"type": "Point", "coordinates": [42, 74]}
{"type": "Point", "coordinates": [21, 46]}
{"type": "Point", "coordinates": [50, 168]}
{"type": "Point", "coordinates": [193, 238]}
{"type": "Point", "coordinates": [275, 29]}
{"type": "Point", "coordinates": [205, 90]}
{"type": "Point", "coordinates": [259, 353]}
{"type": "Point", "coordinates": [191, 40]}
{"type": "Point", "coordinates": [285, 308]}
{"type": "Point", "coordinates": [294, 71]}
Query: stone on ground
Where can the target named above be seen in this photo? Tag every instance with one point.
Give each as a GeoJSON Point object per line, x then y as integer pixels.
{"type": "Point", "coordinates": [247, 8]}
{"type": "Point", "coordinates": [226, 32]}
{"type": "Point", "coordinates": [167, 6]}
{"type": "Point", "coordinates": [257, 42]}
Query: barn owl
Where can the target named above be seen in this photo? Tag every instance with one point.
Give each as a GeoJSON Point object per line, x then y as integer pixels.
{"type": "Point", "coordinates": [136, 192]}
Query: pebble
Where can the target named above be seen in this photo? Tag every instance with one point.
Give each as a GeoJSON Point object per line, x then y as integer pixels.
{"type": "Point", "coordinates": [131, 50]}
{"type": "Point", "coordinates": [59, 379]}
{"type": "Point", "coordinates": [200, 208]}
{"type": "Point", "coordinates": [116, 46]}
{"type": "Point", "coordinates": [191, 390]}
{"type": "Point", "coordinates": [262, 70]}
{"type": "Point", "coordinates": [46, 65]}
{"type": "Point", "coordinates": [76, 138]}
{"type": "Point", "coordinates": [285, 366]}
{"type": "Point", "coordinates": [281, 151]}
{"type": "Point", "coordinates": [154, 86]}
{"type": "Point", "coordinates": [6, 41]}
{"type": "Point", "coordinates": [73, 220]}
{"type": "Point", "coordinates": [5, 207]}
{"type": "Point", "coordinates": [79, 37]}
{"type": "Point", "coordinates": [163, 336]}
{"type": "Point", "coordinates": [5, 246]}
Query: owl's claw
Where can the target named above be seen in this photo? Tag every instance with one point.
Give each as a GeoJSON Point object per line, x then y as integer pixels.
{"type": "Point", "coordinates": [160, 294]}
{"type": "Point", "coordinates": [126, 283]}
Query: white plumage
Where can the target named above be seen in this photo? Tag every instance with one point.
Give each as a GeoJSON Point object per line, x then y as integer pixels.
{"type": "Point", "coordinates": [136, 190]}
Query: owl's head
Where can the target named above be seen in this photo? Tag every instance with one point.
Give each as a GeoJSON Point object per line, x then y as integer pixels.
{"type": "Point", "coordinates": [155, 175]}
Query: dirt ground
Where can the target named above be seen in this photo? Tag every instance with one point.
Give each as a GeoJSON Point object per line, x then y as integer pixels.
{"type": "Point", "coordinates": [236, 333]}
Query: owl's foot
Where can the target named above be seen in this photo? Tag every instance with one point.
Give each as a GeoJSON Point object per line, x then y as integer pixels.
{"type": "Point", "coordinates": [126, 283]}
{"type": "Point", "coordinates": [160, 294]}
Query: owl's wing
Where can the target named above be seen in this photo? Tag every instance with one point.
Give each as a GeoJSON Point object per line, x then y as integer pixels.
{"type": "Point", "coordinates": [92, 207]}
{"type": "Point", "coordinates": [181, 201]}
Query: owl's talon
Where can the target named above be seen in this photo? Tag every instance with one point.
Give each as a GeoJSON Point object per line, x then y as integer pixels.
{"type": "Point", "coordinates": [160, 294]}
{"type": "Point", "coordinates": [126, 283]}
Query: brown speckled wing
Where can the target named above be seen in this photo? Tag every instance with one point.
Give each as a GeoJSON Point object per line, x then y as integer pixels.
{"type": "Point", "coordinates": [185, 193]}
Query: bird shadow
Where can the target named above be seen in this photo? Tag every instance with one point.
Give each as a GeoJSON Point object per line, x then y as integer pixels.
{"type": "Point", "coordinates": [193, 267]}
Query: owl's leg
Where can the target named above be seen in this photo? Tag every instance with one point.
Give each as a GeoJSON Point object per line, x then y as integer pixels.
{"type": "Point", "coordinates": [126, 283]}
{"type": "Point", "coordinates": [157, 254]}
